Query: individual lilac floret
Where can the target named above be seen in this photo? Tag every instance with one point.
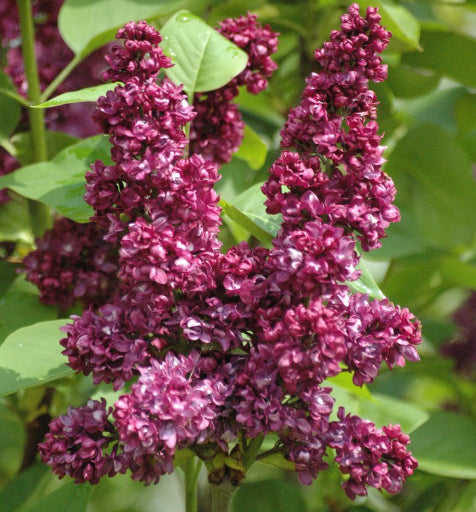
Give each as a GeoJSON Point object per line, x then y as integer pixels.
{"type": "Point", "coordinates": [370, 456]}
{"type": "Point", "coordinates": [73, 263]}
{"type": "Point", "coordinates": [76, 443]}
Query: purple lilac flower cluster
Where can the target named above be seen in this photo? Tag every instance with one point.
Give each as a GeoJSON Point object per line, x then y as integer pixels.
{"type": "Point", "coordinates": [336, 135]}
{"type": "Point", "coordinates": [229, 347]}
{"type": "Point", "coordinates": [72, 262]}
{"type": "Point", "coordinates": [217, 130]}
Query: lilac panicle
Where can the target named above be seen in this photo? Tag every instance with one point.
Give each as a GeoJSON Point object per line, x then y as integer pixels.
{"type": "Point", "coordinates": [212, 348]}
{"type": "Point", "coordinates": [76, 443]}
{"type": "Point", "coordinates": [217, 130]}
{"type": "Point", "coordinates": [370, 456]}
{"type": "Point", "coordinates": [335, 122]}
{"type": "Point", "coordinates": [73, 263]}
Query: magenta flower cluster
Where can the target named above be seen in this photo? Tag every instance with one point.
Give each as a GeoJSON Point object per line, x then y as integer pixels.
{"type": "Point", "coordinates": [226, 347]}
{"type": "Point", "coordinates": [217, 130]}
{"type": "Point", "coordinates": [73, 263]}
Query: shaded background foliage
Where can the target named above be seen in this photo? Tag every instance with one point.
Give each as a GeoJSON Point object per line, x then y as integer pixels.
{"type": "Point", "coordinates": [427, 263]}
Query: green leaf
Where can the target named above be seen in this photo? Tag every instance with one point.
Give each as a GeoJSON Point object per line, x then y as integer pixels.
{"type": "Point", "coordinates": [60, 182]}
{"type": "Point", "coordinates": [269, 496]}
{"type": "Point", "coordinates": [7, 275]}
{"type": "Point", "coordinates": [436, 192]}
{"type": "Point", "coordinates": [396, 18]}
{"type": "Point", "coordinates": [458, 273]}
{"type": "Point", "coordinates": [19, 490]}
{"type": "Point", "coordinates": [413, 280]}
{"type": "Point", "coordinates": [79, 96]}
{"type": "Point", "coordinates": [251, 204]}
{"type": "Point", "coordinates": [12, 443]}
{"type": "Point", "coordinates": [466, 123]}
{"type": "Point", "coordinates": [204, 59]}
{"type": "Point", "coordinates": [446, 445]}
{"type": "Point", "coordinates": [408, 81]}
{"type": "Point", "coordinates": [447, 53]}
{"type": "Point", "coordinates": [21, 297]}
{"type": "Point", "coordinates": [71, 497]}
{"type": "Point", "coordinates": [86, 25]}
{"type": "Point", "coordinates": [31, 356]}
{"type": "Point", "coordinates": [9, 107]}
{"type": "Point", "coordinates": [366, 283]}
{"type": "Point", "coordinates": [245, 222]}
{"type": "Point", "coordinates": [343, 380]}
{"type": "Point", "coordinates": [182, 456]}
{"type": "Point", "coordinates": [436, 108]}
{"type": "Point", "coordinates": [466, 499]}
{"type": "Point", "coordinates": [15, 222]}
{"type": "Point", "coordinates": [55, 142]}
{"type": "Point", "coordinates": [278, 461]}
{"type": "Point", "coordinates": [386, 410]}
{"type": "Point", "coordinates": [252, 150]}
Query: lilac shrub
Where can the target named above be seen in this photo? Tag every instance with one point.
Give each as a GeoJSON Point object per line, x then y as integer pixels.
{"type": "Point", "coordinates": [215, 350]}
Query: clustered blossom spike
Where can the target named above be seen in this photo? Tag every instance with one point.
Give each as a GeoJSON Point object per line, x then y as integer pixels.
{"type": "Point", "coordinates": [334, 130]}
{"type": "Point", "coordinates": [73, 263]}
{"type": "Point", "coordinates": [231, 346]}
{"type": "Point", "coordinates": [217, 130]}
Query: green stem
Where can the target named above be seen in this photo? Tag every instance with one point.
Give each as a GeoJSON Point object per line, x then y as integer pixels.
{"type": "Point", "coordinates": [37, 116]}
{"type": "Point", "coordinates": [222, 496]}
{"type": "Point", "coordinates": [249, 456]}
{"type": "Point", "coordinates": [191, 469]}
{"type": "Point", "coordinates": [59, 78]}
{"type": "Point", "coordinates": [15, 96]}
{"type": "Point", "coordinates": [39, 213]}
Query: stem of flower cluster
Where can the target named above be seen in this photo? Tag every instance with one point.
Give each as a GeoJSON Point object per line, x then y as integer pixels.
{"type": "Point", "coordinates": [191, 469]}
{"type": "Point", "coordinates": [222, 496]}
{"type": "Point", "coordinates": [60, 77]}
{"type": "Point", "coordinates": [37, 115]}
{"type": "Point", "coordinates": [40, 215]}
